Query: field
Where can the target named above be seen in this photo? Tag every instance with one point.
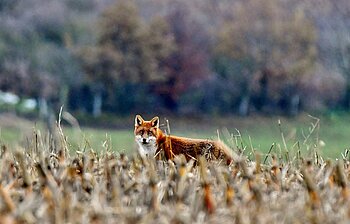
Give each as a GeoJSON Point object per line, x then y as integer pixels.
{"type": "Point", "coordinates": [78, 177]}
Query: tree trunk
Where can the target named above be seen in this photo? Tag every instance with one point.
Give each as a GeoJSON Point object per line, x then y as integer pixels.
{"type": "Point", "coordinates": [97, 104]}
{"type": "Point", "coordinates": [46, 114]}
{"type": "Point", "coordinates": [243, 109]}
{"type": "Point", "coordinates": [294, 105]}
{"type": "Point", "coordinates": [43, 107]}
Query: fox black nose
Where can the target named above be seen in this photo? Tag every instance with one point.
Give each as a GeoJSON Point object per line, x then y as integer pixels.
{"type": "Point", "coordinates": [144, 140]}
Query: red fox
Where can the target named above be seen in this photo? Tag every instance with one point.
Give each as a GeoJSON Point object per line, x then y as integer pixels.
{"type": "Point", "coordinates": [152, 141]}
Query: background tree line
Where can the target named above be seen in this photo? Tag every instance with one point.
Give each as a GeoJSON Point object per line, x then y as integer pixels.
{"type": "Point", "coordinates": [213, 57]}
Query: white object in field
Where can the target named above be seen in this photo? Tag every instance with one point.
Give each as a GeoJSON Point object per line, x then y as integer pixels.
{"type": "Point", "coordinates": [8, 98]}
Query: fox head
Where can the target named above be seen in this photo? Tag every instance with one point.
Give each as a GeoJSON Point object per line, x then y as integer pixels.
{"type": "Point", "coordinates": [146, 135]}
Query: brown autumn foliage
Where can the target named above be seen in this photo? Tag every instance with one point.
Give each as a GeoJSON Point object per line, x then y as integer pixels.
{"type": "Point", "coordinates": [277, 46]}
{"type": "Point", "coordinates": [188, 64]}
{"type": "Point", "coordinates": [251, 54]}
{"type": "Point", "coordinates": [16, 77]}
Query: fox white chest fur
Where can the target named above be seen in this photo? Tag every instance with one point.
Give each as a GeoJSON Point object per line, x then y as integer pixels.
{"type": "Point", "coordinates": [146, 146]}
{"type": "Point", "coordinates": [146, 135]}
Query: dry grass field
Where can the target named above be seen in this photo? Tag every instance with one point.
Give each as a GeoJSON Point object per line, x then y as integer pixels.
{"type": "Point", "coordinates": [43, 183]}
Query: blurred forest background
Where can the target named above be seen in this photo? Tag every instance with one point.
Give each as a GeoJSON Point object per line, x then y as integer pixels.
{"type": "Point", "coordinates": [182, 57]}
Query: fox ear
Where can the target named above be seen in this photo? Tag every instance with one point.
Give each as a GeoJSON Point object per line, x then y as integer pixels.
{"type": "Point", "coordinates": [138, 120]}
{"type": "Point", "coordinates": [155, 122]}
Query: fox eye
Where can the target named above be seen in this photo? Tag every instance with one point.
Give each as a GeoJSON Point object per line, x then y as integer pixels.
{"type": "Point", "coordinates": [150, 133]}
{"type": "Point", "coordinates": [141, 132]}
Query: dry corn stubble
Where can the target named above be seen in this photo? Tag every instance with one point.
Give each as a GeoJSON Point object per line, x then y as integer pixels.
{"type": "Point", "coordinates": [44, 184]}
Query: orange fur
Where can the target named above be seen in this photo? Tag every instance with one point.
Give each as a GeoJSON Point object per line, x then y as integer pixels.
{"type": "Point", "coordinates": [174, 145]}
